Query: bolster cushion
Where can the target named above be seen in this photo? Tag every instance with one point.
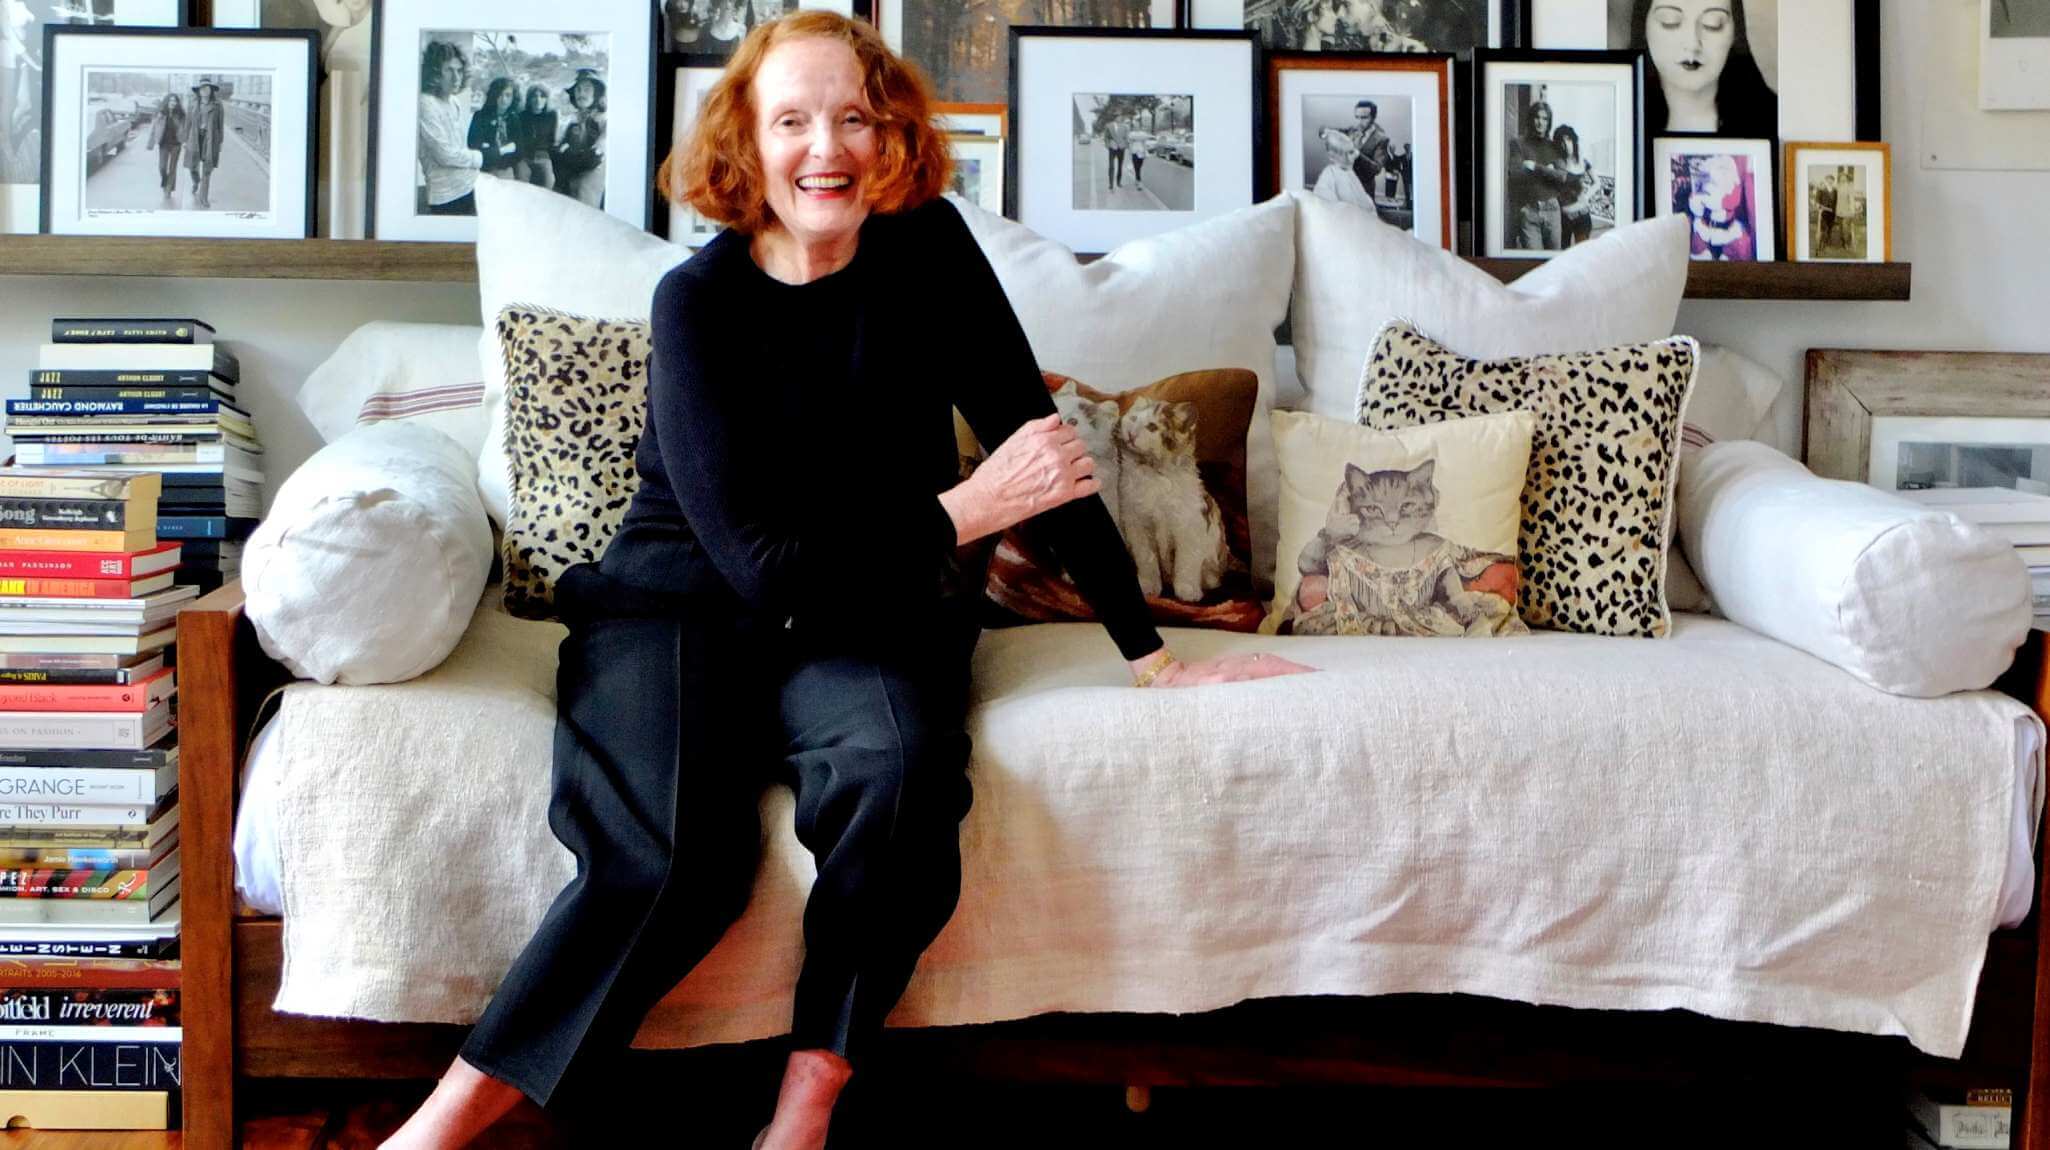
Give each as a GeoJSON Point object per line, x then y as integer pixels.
{"type": "Point", "coordinates": [372, 559]}
{"type": "Point", "coordinates": [1908, 599]}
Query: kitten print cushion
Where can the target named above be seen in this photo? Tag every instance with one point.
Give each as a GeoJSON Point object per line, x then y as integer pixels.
{"type": "Point", "coordinates": [576, 400]}
{"type": "Point", "coordinates": [1409, 533]}
{"type": "Point", "coordinates": [1171, 460]}
{"type": "Point", "coordinates": [1599, 502]}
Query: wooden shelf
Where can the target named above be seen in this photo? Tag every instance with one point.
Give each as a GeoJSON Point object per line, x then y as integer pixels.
{"type": "Point", "coordinates": [457, 263]}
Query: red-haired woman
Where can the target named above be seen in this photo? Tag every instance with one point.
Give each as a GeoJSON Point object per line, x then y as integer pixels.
{"type": "Point", "coordinates": [784, 600]}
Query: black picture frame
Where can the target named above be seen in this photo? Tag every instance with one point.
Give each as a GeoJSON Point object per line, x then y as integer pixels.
{"type": "Point", "coordinates": [1479, 179]}
{"type": "Point", "coordinates": [664, 120]}
{"type": "Point", "coordinates": [380, 28]}
{"type": "Point", "coordinates": [310, 39]}
{"type": "Point", "coordinates": [1256, 81]}
{"type": "Point", "coordinates": [862, 10]}
{"type": "Point", "coordinates": [1514, 16]}
{"type": "Point", "coordinates": [1865, 64]}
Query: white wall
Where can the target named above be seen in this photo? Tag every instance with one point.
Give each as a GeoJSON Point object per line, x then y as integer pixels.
{"type": "Point", "coordinates": [1980, 242]}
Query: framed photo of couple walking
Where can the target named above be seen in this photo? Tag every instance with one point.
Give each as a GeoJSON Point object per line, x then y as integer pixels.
{"type": "Point", "coordinates": [556, 96]}
{"type": "Point", "coordinates": [1561, 155]}
{"type": "Point", "coordinates": [178, 132]}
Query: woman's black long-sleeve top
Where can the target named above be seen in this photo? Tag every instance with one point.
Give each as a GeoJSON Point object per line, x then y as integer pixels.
{"type": "Point", "coordinates": [799, 435]}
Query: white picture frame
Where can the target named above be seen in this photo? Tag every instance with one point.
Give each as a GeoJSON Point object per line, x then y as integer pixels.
{"type": "Point", "coordinates": [1865, 221]}
{"type": "Point", "coordinates": [978, 169]}
{"type": "Point", "coordinates": [104, 82]}
{"type": "Point", "coordinates": [1891, 434]}
{"type": "Point", "coordinates": [400, 187]}
{"type": "Point", "coordinates": [1729, 204]}
{"type": "Point", "coordinates": [2014, 55]}
{"type": "Point", "coordinates": [1047, 189]}
{"type": "Point", "coordinates": [1599, 96]}
{"type": "Point", "coordinates": [984, 76]}
{"type": "Point", "coordinates": [1231, 14]}
{"type": "Point", "coordinates": [1420, 83]}
{"type": "Point", "coordinates": [21, 56]}
{"type": "Point", "coordinates": [686, 226]}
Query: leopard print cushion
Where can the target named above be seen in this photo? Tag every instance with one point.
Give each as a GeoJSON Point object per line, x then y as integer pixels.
{"type": "Point", "coordinates": [576, 400]}
{"type": "Point", "coordinates": [1598, 499]}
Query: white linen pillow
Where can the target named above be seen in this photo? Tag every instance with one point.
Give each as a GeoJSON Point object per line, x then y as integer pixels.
{"type": "Point", "coordinates": [424, 373]}
{"type": "Point", "coordinates": [370, 563]}
{"type": "Point", "coordinates": [536, 248]}
{"type": "Point", "coordinates": [1733, 394]}
{"type": "Point", "coordinates": [1355, 274]}
{"type": "Point", "coordinates": [1908, 599]}
{"type": "Point", "coordinates": [1203, 297]}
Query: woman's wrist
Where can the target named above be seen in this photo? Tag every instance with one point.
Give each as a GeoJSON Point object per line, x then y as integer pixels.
{"type": "Point", "coordinates": [965, 505]}
{"type": "Point", "coordinates": [1148, 668]}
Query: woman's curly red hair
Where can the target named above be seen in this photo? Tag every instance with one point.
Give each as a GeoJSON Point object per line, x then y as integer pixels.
{"type": "Point", "coordinates": [718, 171]}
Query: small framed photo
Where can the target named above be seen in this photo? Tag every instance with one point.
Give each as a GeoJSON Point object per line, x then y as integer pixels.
{"type": "Point", "coordinates": [1561, 152]}
{"type": "Point", "coordinates": [1453, 26]}
{"type": "Point", "coordinates": [1725, 189]}
{"type": "Point", "coordinates": [1107, 126]}
{"type": "Point", "coordinates": [688, 85]}
{"type": "Point", "coordinates": [1372, 130]}
{"type": "Point", "coordinates": [714, 28]}
{"type": "Point", "coordinates": [178, 132]}
{"type": "Point", "coordinates": [344, 25]}
{"type": "Point", "coordinates": [963, 45]}
{"type": "Point", "coordinates": [1839, 202]}
{"type": "Point", "coordinates": [973, 119]}
{"type": "Point", "coordinates": [21, 87]}
{"type": "Point", "coordinates": [558, 96]}
{"type": "Point", "coordinates": [979, 169]}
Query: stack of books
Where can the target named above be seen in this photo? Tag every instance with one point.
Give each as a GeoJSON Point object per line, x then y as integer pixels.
{"type": "Point", "coordinates": [155, 395]}
{"type": "Point", "coordinates": [89, 858]}
{"type": "Point", "coordinates": [2020, 517]}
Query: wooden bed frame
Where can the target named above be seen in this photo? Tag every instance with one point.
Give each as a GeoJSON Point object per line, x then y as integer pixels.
{"type": "Point", "coordinates": [232, 960]}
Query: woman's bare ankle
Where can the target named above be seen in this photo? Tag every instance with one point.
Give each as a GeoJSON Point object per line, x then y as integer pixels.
{"type": "Point", "coordinates": [812, 1081]}
{"type": "Point", "coordinates": [464, 1104]}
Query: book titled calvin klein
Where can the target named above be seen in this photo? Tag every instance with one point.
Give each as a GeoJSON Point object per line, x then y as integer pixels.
{"type": "Point", "coordinates": [91, 1065]}
{"type": "Point", "coordinates": [187, 331]}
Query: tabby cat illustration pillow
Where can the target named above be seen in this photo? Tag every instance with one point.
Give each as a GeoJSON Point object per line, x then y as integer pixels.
{"type": "Point", "coordinates": [575, 402]}
{"type": "Point", "coordinates": [1409, 533]}
{"type": "Point", "coordinates": [1598, 509]}
{"type": "Point", "coordinates": [1171, 457]}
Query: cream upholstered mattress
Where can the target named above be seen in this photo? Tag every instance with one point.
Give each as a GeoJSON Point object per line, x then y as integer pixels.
{"type": "Point", "coordinates": [1714, 822]}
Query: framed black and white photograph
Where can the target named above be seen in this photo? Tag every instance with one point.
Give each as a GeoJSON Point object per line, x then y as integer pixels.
{"type": "Point", "coordinates": [1934, 453]}
{"type": "Point", "coordinates": [557, 96]}
{"type": "Point", "coordinates": [964, 45]}
{"type": "Point", "coordinates": [2014, 55]}
{"type": "Point", "coordinates": [978, 169]}
{"type": "Point", "coordinates": [1371, 130]}
{"type": "Point", "coordinates": [1560, 154]}
{"type": "Point", "coordinates": [1750, 68]}
{"type": "Point", "coordinates": [21, 85]}
{"type": "Point", "coordinates": [715, 28]}
{"type": "Point", "coordinates": [1724, 187]}
{"type": "Point", "coordinates": [1107, 126]}
{"type": "Point", "coordinates": [344, 25]}
{"type": "Point", "coordinates": [1455, 26]}
{"type": "Point", "coordinates": [688, 86]}
{"type": "Point", "coordinates": [178, 132]}
{"type": "Point", "coordinates": [1839, 203]}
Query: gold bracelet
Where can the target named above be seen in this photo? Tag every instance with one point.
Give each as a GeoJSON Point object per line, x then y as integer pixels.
{"type": "Point", "coordinates": [1147, 676]}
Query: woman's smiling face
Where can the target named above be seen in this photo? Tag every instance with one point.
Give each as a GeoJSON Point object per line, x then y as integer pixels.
{"type": "Point", "coordinates": [817, 138]}
{"type": "Point", "coordinates": [1690, 41]}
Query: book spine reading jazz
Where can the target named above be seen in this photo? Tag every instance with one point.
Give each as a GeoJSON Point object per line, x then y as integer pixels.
{"type": "Point", "coordinates": [186, 331]}
{"type": "Point", "coordinates": [76, 514]}
{"type": "Point", "coordinates": [88, 1006]}
{"type": "Point", "coordinates": [94, 384]}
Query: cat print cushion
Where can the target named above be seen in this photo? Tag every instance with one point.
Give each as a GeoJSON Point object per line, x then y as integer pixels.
{"type": "Point", "coordinates": [1171, 458]}
{"type": "Point", "coordinates": [1405, 533]}
{"type": "Point", "coordinates": [576, 400]}
{"type": "Point", "coordinates": [1599, 502]}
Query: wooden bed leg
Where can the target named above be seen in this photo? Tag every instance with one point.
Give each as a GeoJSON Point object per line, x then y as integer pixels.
{"type": "Point", "coordinates": [208, 739]}
{"type": "Point", "coordinates": [1138, 1099]}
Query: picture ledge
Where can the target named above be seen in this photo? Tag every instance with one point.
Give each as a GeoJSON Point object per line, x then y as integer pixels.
{"type": "Point", "coordinates": [456, 263]}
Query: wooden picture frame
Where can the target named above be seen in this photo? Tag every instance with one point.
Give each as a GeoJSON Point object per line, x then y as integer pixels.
{"type": "Point", "coordinates": [954, 116]}
{"type": "Point", "coordinates": [1434, 66]}
{"type": "Point", "coordinates": [1794, 201]}
{"type": "Point", "coordinates": [1847, 390]}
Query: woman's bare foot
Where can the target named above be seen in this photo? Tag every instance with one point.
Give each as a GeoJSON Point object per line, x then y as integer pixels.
{"type": "Point", "coordinates": [464, 1104]}
{"type": "Point", "coordinates": [812, 1081]}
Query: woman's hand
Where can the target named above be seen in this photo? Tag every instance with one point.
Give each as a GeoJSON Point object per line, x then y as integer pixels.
{"type": "Point", "coordinates": [1227, 669]}
{"type": "Point", "coordinates": [1041, 466]}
